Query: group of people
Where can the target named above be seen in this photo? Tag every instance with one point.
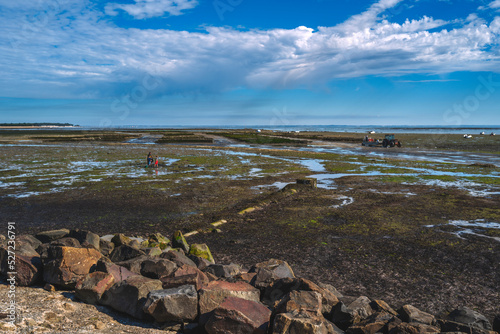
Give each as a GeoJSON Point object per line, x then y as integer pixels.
{"type": "Point", "coordinates": [152, 162]}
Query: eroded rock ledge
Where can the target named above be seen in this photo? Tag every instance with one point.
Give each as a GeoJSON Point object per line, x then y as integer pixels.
{"type": "Point", "coordinates": [169, 285]}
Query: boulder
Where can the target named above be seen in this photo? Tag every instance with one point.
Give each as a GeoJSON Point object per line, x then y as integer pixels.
{"type": "Point", "coordinates": [86, 238]}
{"type": "Point", "coordinates": [283, 286]}
{"type": "Point", "coordinates": [358, 310]}
{"type": "Point", "coordinates": [178, 258]}
{"type": "Point", "coordinates": [451, 326]}
{"type": "Point", "coordinates": [28, 268]}
{"type": "Point", "coordinates": [66, 241]}
{"type": "Point", "coordinates": [300, 301]}
{"type": "Point", "coordinates": [271, 270]}
{"type": "Point", "coordinates": [224, 270]}
{"type": "Point", "coordinates": [375, 323]}
{"type": "Point", "coordinates": [245, 277]}
{"type": "Point", "coordinates": [496, 324]}
{"type": "Point", "coordinates": [409, 313]}
{"type": "Point", "coordinates": [28, 238]}
{"type": "Point", "coordinates": [214, 293]}
{"type": "Point", "coordinates": [236, 315]}
{"type": "Point", "coordinates": [129, 296]}
{"type": "Point", "coordinates": [92, 286]}
{"type": "Point", "coordinates": [48, 236]}
{"type": "Point", "coordinates": [152, 251]}
{"type": "Point", "coordinates": [413, 328]}
{"type": "Point", "coordinates": [178, 241]}
{"type": "Point", "coordinates": [106, 247]}
{"type": "Point", "coordinates": [465, 315]}
{"type": "Point", "coordinates": [303, 323]}
{"type": "Point", "coordinates": [120, 239]}
{"type": "Point", "coordinates": [134, 264]}
{"type": "Point", "coordinates": [68, 264]}
{"type": "Point", "coordinates": [124, 253]}
{"type": "Point", "coordinates": [382, 306]}
{"type": "Point", "coordinates": [157, 268]}
{"type": "Point", "coordinates": [159, 240]}
{"type": "Point", "coordinates": [178, 304]}
{"type": "Point", "coordinates": [201, 250]}
{"type": "Point", "coordinates": [330, 288]}
{"type": "Point", "coordinates": [185, 275]}
{"type": "Point", "coordinates": [119, 273]}
{"type": "Point", "coordinates": [200, 262]}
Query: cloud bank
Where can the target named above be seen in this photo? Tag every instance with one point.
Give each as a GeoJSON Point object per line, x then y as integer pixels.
{"type": "Point", "coordinates": [73, 50]}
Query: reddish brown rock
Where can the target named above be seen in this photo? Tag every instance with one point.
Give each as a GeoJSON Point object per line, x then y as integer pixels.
{"type": "Point", "coordinates": [119, 273]}
{"type": "Point", "coordinates": [67, 242]}
{"type": "Point", "coordinates": [236, 315]}
{"type": "Point", "coordinates": [86, 238]}
{"type": "Point", "coordinates": [347, 315]}
{"type": "Point", "coordinates": [173, 305]}
{"type": "Point", "coordinates": [269, 271]}
{"type": "Point", "coordinates": [92, 286]}
{"type": "Point", "coordinates": [129, 296]}
{"type": "Point", "coordinates": [413, 328]}
{"type": "Point", "coordinates": [214, 293]}
{"type": "Point", "coordinates": [381, 306]}
{"type": "Point", "coordinates": [68, 265]}
{"type": "Point", "coordinates": [185, 275]}
{"type": "Point", "coordinates": [28, 270]}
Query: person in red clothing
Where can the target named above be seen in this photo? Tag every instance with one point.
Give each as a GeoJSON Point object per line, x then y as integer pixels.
{"type": "Point", "coordinates": [156, 161]}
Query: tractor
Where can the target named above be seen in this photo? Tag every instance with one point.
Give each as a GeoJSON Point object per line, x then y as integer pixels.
{"type": "Point", "coordinates": [389, 140]}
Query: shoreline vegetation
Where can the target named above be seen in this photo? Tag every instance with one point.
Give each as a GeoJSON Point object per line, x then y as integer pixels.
{"type": "Point", "coordinates": [414, 225]}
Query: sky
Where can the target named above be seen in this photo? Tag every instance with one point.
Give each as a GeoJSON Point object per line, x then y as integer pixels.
{"type": "Point", "coordinates": [250, 62]}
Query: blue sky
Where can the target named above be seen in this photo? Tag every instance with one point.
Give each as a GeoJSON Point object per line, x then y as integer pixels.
{"type": "Point", "coordinates": [242, 62]}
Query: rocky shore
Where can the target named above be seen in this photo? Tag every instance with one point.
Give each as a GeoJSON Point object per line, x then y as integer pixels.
{"type": "Point", "coordinates": [121, 284]}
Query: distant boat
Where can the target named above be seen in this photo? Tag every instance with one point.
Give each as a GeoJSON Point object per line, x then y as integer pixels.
{"type": "Point", "coordinates": [467, 136]}
{"type": "Point", "coordinates": [371, 132]}
{"type": "Point", "coordinates": [482, 133]}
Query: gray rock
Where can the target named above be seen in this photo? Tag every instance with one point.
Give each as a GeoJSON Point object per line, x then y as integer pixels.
{"type": "Point", "coordinates": [28, 238]}
{"type": "Point", "coordinates": [177, 304]}
{"type": "Point", "coordinates": [157, 268]}
{"type": "Point", "coordinates": [119, 273]}
{"type": "Point", "coordinates": [86, 238]}
{"type": "Point", "coordinates": [106, 247]}
{"type": "Point", "coordinates": [48, 236]}
{"type": "Point", "coordinates": [66, 241]}
{"type": "Point", "coordinates": [347, 315]}
{"type": "Point", "coordinates": [465, 315]}
{"type": "Point", "coordinates": [224, 270]}
{"type": "Point", "coordinates": [303, 324]}
{"type": "Point", "coordinates": [178, 258]}
{"type": "Point", "coordinates": [200, 262]}
{"type": "Point", "coordinates": [410, 313]}
{"type": "Point", "coordinates": [120, 239]}
{"type": "Point", "coordinates": [124, 253]}
{"type": "Point", "coordinates": [129, 296]}
{"type": "Point", "coordinates": [134, 264]}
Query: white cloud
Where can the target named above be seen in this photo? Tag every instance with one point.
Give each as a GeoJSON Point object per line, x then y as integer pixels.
{"type": "Point", "coordinates": [495, 4]}
{"type": "Point", "coordinates": [80, 55]}
{"type": "Point", "coordinates": [152, 8]}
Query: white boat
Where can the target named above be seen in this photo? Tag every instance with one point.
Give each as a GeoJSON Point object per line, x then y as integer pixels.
{"type": "Point", "coordinates": [467, 136]}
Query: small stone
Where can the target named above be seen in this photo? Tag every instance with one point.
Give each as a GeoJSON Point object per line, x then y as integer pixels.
{"type": "Point", "coordinates": [410, 313]}
{"type": "Point", "coordinates": [49, 287]}
{"type": "Point", "coordinates": [99, 325]}
{"type": "Point", "coordinates": [224, 270]}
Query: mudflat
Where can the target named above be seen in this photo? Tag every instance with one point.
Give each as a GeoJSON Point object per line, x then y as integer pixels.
{"type": "Point", "coordinates": [418, 224]}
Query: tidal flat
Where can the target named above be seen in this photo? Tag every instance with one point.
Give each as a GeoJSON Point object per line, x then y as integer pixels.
{"type": "Point", "coordinates": [416, 225]}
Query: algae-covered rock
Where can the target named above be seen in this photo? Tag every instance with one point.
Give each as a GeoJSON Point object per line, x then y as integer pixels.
{"type": "Point", "coordinates": [180, 242]}
{"type": "Point", "coordinates": [157, 239]}
{"type": "Point", "coordinates": [201, 250]}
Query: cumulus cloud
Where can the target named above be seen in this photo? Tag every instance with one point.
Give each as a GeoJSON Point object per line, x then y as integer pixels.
{"type": "Point", "coordinates": [152, 8]}
{"type": "Point", "coordinates": [495, 4]}
{"type": "Point", "coordinates": [71, 54]}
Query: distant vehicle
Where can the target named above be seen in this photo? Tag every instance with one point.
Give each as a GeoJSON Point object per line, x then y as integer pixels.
{"type": "Point", "coordinates": [391, 141]}
{"type": "Point", "coordinates": [367, 141]}
{"type": "Point", "coordinates": [371, 132]}
{"type": "Point", "coordinates": [467, 136]}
